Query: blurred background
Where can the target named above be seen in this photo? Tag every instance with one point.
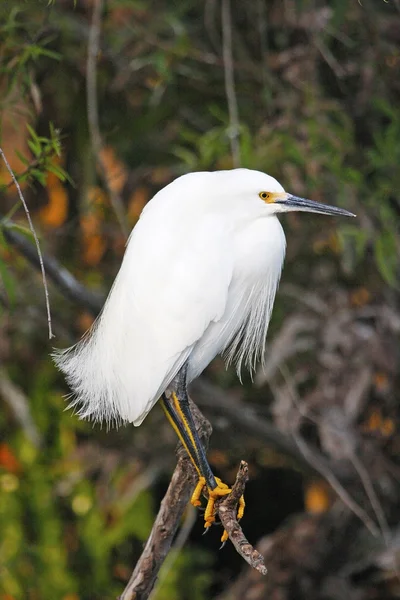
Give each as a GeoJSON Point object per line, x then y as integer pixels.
{"type": "Point", "coordinates": [103, 103]}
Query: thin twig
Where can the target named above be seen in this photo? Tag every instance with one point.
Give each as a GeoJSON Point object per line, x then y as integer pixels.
{"type": "Point", "coordinates": [322, 468]}
{"type": "Point", "coordinates": [227, 54]}
{"type": "Point", "coordinates": [263, 32]}
{"type": "Point", "coordinates": [31, 227]}
{"type": "Point", "coordinates": [19, 404]}
{"type": "Point", "coordinates": [337, 487]}
{"type": "Point", "coordinates": [227, 509]}
{"type": "Point", "coordinates": [24, 173]}
{"type": "Point", "coordinates": [243, 417]}
{"type": "Point", "coordinates": [372, 497]}
{"type": "Point", "coordinates": [93, 112]}
{"type": "Point", "coordinates": [357, 464]}
{"type": "Point", "coordinates": [66, 282]}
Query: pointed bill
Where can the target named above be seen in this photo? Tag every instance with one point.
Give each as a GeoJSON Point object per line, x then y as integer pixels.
{"type": "Point", "coordinates": [302, 204]}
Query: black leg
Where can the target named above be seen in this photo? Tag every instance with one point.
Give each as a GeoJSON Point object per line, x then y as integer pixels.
{"type": "Point", "coordinates": [179, 414]}
{"type": "Point", "coordinates": [177, 408]}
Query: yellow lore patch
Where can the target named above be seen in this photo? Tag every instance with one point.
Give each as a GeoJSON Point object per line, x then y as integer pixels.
{"type": "Point", "coordinates": [271, 197]}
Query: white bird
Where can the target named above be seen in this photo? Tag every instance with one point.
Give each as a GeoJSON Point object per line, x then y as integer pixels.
{"type": "Point", "coordinates": [198, 279]}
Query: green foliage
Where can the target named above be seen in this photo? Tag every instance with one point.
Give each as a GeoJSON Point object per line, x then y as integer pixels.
{"type": "Point", "coordinates": [189, 573]}
{"type": "Point", "coordinates": [43, 552]}
{"type": "Point", "coordinates": [309, 115]}
{"type": "Point", "coordinates": [8, 282]}
{"type": "Point", "coordinates": [44, 150]}
{"type": "Point", "coordinates": [20, 52]}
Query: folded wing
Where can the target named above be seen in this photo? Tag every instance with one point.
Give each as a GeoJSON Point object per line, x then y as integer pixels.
{"type": "Point", "coordinates": [172, 284]}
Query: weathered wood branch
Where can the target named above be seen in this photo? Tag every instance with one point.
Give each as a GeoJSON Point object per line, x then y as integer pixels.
{"type": "Point", "coordinates": [160, 539]}
{"type": "Point", "coordinates": [63, 279]}
{"type": "Point", "coordinates": [170, 514]}
{"type": "Point", "coordinates": [227, 509]}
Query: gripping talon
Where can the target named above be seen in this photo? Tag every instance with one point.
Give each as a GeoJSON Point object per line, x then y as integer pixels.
{"type": "Point", "coordinates": [224, 538]}
{"type": "Point", "coordinates": [198, 490]}
{"type": "Point", "coordinates": [241, 507]}
{"type": "Point", "coordinates": [215, 494]}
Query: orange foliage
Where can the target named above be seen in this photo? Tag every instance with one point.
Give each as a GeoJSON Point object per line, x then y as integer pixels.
{"type": "Point", "coordinates": [161, 175]}
{"type": "Point", "coordinates": [8, 462]}
{"type": "Point", "coordinates": [85, 321]}
{"type": "Point", "coordinates": [360, 297]}
{"type": "Point", "coordinates": [218, 458]}
{"type": "Point", "coordinates": [14, 133]}
{"type": "Point", "coordinates": [376, 423]}
{"type": "Point", "coordinates": [55, 212]}
{"type": "Point", "coordinates": [116, 175]}
{"type": "Point", "coordinates": [94, 244]}
{"type": "Point", "coordinates": [381, 381]}
{"type": "Point", "coordinates": [121, 572]}
{"type": "Point", "coordinates": [388, 427]}
{"type": "Point", "coordinates": [137, 202]}
{"type": "Point", "coordinates": [317, 497]}
{"type": "Point", "coordinates": [115, 170]}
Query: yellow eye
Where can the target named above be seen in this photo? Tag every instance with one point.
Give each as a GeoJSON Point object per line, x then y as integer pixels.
{"type": "Point", "coordinates": [264, 196]}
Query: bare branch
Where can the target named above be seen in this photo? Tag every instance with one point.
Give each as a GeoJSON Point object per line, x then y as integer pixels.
{"type": "Point", "coordinates": [65, 281]}
{"type": "Point", "coordinates": [93, 113]}
{"type": "Point", "coordinates": [227, 509]}
{"type": "Point", "coordinates": [170, 514]}
{"type": "Point", "coordinates": [31, 227]}
{"type": "Point", "coordinates": [337, 486]}
{"type": "Point", "coordinates": [181, 539]}
{"type": "Point", "coordinates": [372, 497]}
{"type": "Point", "coordinates": [246, 420]}
{"type": "Point", "coordinates": [160, 539]}
{"type": "Point", "coordinates": [227, 54]}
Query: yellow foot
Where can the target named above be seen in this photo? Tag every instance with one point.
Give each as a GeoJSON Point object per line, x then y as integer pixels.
{"type": "Point", "coordinates": [213, 495]}
{"type": "Point", "coordinates": [198, 490]}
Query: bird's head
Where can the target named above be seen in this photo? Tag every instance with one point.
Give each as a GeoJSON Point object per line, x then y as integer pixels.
{"type": "Point", "coordinates": [255, 186]}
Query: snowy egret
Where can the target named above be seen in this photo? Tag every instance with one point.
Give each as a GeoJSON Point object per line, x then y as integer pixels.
{"type": "Point", "coordinates": [198, 279]}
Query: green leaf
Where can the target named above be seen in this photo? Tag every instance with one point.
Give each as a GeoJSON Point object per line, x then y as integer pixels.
{"type": "Point", "coordinates": [57, 171]}
{"type": "Point", "coordinates": [32, 133]}
{"type": "Point", "coordinates": [35, 148]}
{"type": "Point", "coordinates": [40, 176]}
{"type": "Point", "coordinates": [22, 158]}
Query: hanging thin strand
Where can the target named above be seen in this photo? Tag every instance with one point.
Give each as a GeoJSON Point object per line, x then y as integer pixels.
{"type": "Point", "coordinates": [31, 227]}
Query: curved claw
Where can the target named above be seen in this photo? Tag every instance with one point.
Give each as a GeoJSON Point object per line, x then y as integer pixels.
{"type": "Point", "coordinates": [224, 538]}
{"type": "Point", "coordinates": [213, 495]}
{"type": "Point", "coordinates": [219, 491]}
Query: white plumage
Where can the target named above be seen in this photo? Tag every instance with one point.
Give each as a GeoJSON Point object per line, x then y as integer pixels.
{"type": "Point", "coordinates": [198, 279]}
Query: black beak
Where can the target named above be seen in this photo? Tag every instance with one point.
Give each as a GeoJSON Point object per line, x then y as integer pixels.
{"type": "Point", "coordinates": [295, 203]}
